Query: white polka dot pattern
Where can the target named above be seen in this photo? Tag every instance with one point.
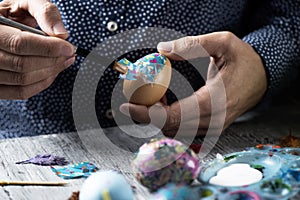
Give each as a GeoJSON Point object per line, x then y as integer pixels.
{"type": "Point", "coordinates": [271, 27]}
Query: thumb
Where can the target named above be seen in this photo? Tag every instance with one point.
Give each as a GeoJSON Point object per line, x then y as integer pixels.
{"type": "Point", "coordinates": [47, 16]}
{"type": "Point", "coordinates": [192, 47]}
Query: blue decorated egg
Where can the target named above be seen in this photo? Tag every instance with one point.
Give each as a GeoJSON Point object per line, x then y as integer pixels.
{"type": "Point", "coordinates": [173, 191]}
{"type": "Point", "coordinates": [185, 192]}
{"type": "Point", "coordinates": [146, 80]}
{"type": "Point", "coordinates": [106, 185]}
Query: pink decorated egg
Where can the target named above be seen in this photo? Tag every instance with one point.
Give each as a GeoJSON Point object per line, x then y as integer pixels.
{"type": "Point", "coordinates": [165, 161]}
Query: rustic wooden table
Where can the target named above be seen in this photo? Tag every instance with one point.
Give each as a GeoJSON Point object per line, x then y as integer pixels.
{"type": "Point", "coordinates": [266, 128]}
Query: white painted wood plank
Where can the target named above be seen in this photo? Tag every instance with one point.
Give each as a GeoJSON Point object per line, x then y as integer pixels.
{"type": "Point", "coordinates": [266, 128]}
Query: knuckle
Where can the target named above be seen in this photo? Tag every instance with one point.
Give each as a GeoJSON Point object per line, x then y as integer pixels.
{"type": "Point", "coordinates": [19, 78]}
{"type": "Point", "coordinates": [189, 42]}
{"type": "Point", "coordinates": [2, 56]}
{"type": "Point", "coordinates": [227, 41]}
{"type": "Point", "coordinates": [17, 43]}
{"type": "Point", "coordinates": [204, 106]}
{"type": "Point", "coordinates": [17, 63]}
{"type": "Point", "coordinates": [227, 36]}
{"type": "Point", "coordinates": [173, 120]}
{"type": "Point", "coordinates": [204, 100]}
{"type": "Point", "coordinates": [49, 8]}
{"type": "Point", "coordinates": [48, 49]}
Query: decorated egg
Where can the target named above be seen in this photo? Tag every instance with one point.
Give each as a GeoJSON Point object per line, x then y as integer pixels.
{"type": "Point", "coordinates": [146, 80]}
{"type": "Point", "coordinates": [173, 191]}
{"type": "Point", "coordinates": [165, 161]}
{"type": "Point", "coordinates": [106, 185]}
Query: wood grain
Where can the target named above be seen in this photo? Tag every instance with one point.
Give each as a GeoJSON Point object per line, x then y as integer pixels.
{"type": "Point", "coordinates": [112, 149]}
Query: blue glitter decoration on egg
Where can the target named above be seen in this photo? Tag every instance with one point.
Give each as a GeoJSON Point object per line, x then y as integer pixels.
{"type": "Point", "coordinates": [147, 67]}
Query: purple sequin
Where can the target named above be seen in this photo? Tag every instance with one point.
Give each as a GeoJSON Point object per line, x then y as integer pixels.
{"type": "Point", "coordinates": [45, 160]}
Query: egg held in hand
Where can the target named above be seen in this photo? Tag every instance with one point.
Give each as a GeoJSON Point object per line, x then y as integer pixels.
{"type": "Point", "coordinates": [147, 80]}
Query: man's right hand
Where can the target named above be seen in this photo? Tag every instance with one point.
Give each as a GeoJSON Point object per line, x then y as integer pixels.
{"type": "Point", "coordinates": [29, 63]}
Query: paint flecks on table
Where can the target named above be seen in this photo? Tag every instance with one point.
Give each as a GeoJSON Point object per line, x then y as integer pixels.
{"type": "Point", "coordinates": [290, 140]}
{"type": "Point", "coordinates": [45, 160]}
{"type": "Point", "coordinates": [83, 169]}
{"type": "Point", "coordinates": [228, 158]}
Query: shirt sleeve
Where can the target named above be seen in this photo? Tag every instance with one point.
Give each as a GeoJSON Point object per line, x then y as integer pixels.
{"type": "Point", "coordinates": [276, 38]}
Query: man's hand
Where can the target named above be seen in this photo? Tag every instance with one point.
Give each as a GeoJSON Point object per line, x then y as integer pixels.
{"type": "Point", "coordinates": [234, 65]}
{"type": "Point", "coordinates": [29, 63]}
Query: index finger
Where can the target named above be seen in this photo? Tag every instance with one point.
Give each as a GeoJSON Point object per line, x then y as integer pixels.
{"type": "Point", "coordinates": [20, 42]}
{"type": "Point", "coordinates": [47, 16]}
{"type": "Point", "coordinates": [164, 116]}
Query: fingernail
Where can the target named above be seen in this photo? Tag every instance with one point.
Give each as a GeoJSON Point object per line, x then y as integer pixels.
{"type": "Point", "coordinates": [165, 46]}
{"type": "Point", "coordinates": [59, 29]}
{"type": "Point", "coordinates": [124, 108]}
{"type": "Point", "coordinates": [69, 62]}
{"type": "Point", "coordinates": [66, 51]}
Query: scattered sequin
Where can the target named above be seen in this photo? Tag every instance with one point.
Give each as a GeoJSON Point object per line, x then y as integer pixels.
{"type": "Point", "coordinates": [83, 169]}
{"type": "Point", "coordinates": [46, 160]}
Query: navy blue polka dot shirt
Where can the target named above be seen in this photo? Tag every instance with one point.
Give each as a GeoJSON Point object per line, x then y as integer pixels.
{"type": "Point", "coordinates": [271, 27]}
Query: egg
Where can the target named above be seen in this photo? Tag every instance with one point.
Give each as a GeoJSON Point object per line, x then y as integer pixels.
{"type": "Point", "coordinates": [147, 80]}
{"type": "Point", "coordinates": [164, 161]}
{"type": "Point", "coordinates": [106, 185]}
{"type": "Point", "coordinates": [173, 191]}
